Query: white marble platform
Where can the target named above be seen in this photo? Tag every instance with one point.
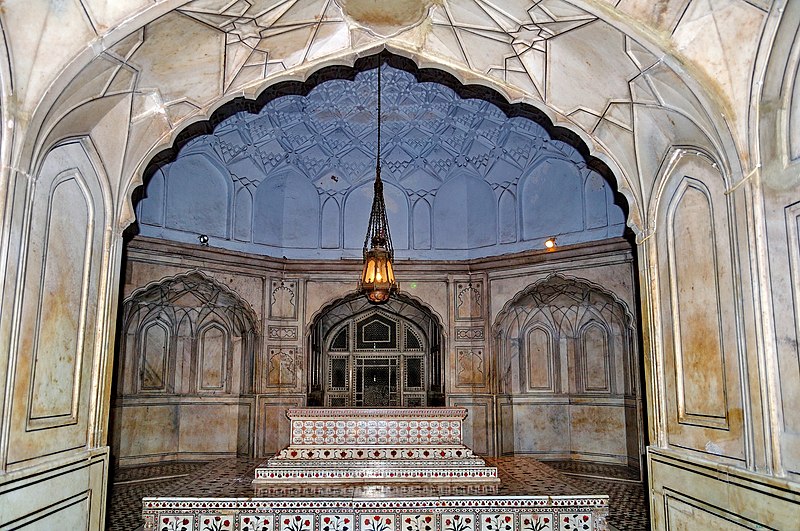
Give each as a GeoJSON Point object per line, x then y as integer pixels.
{"type": "Point", "coordinates": [531, 497]}
{"type": "Point", "coordinates": [376, 445]}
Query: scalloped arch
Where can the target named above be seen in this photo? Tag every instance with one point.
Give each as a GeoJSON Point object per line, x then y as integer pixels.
{"type": "Point", "coordinates": [569, 131]}
{"type": "Point", "coordinates": [521, 294]}
{"type": "Point", "coordinates": [196, 275]}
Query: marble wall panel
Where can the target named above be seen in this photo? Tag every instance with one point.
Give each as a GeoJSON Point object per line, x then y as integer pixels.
{"type": "Point", "coordinates": [699, 314]}
{"type": "Point", "coordinates": [506, 444]}
{"type": "Point", "coordinates": [539, 428]}
{"type": "Point", "coordinates": [779, 141]}
{"type": "Point", "coordinates": [208, 429]}
{"type": "Point", "coordinates": [163, 429]}
{"type": "Point", "coordinates": [688, 493]}
{"type": "Point", "coordinates": [479, 426]}
{"type": "Point", "coordinates": [598, 432]}
{"type": "Point", "coordinates": [146, 431]}
{"type": "Point", "coordinates": [61, 308]}
{"type": "Point", "coordinates": [71, 496]}
{"type": "Point", "coordinates": [274, 429]}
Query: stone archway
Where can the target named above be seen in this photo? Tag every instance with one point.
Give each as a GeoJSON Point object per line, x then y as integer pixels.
{"type": "Point", "coordinates": [668, 108]}
{"type": "Point", "coordinates": [418, 341]}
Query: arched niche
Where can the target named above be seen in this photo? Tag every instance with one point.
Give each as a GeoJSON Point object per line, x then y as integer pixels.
{"type": "Point", "coordinates": [189, 347]}
{"type": "Point", "coordinates": [197, 196]}
{"type": "Point", "coordinates": [700, 278]}
{"type": "Point", "coordinates": [286, 212]}
{"type": "Point", "coordinates": [60, 332]}
{"type": "Point", "coordinates": [568, 362]}
{"type": "Point", "coordinates": [350, 336]}
{"type": "Point", "coordinates": [464, 214]}
{"type": "Point", "coordinates": [551, 200]}
{"type": "Point", "coordinates": [358, 205]}
{"type": "Point", "coordinates": [193, 316]}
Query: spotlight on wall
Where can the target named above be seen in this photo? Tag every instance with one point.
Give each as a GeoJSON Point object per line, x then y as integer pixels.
{"type": "Point", "coordinates": [550, 243]}
{"type": "Point", "coordinates": [203, 239]}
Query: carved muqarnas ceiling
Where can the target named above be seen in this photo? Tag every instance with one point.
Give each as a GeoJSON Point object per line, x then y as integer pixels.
{"type": "Point", "coordinates": [461, 178]}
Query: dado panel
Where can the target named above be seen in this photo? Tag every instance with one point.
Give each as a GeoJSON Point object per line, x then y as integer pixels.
{"type": "Point", "coordinates": [687, 494]}
{"type": "Point", "coordinates": [71, 495]}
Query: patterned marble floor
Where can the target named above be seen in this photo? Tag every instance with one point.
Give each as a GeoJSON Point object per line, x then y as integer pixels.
{"type": "Point", "coordinates": [518, 475]}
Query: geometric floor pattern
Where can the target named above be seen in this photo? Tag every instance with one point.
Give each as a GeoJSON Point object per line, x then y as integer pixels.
{"type": "Point", "coordinates": [627, 500]}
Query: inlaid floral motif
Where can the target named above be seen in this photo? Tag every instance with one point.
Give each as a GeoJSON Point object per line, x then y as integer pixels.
{"type": "Point", "coordinates": [537, 522]}
{"type": "Point", "coordinates": [418, 522]}
{"type": "Point", "coordinates": [255, 522]}
{"type": "Point", "coordinates": [573, 522]}
{"type": "Point", "coordinates": [377, 522]}
{"type": "Point", "coordinates": [297, 522]}
{"type": "Point", "coordinates": [336, 522]}
{"type": "Point", "coordinates": [216, 522]}
{"type": "Point", "coordinates": [457, 522]}
{"type": "Point", "coordinates": [497, 522]}
{"type": "Point", "coordinates": [176, 523]}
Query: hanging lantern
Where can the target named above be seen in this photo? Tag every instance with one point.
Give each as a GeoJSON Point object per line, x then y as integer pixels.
{"type": "Point", "coordinates": [377, 277]}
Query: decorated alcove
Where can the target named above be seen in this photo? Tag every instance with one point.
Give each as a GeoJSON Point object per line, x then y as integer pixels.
{"type": "Point", "coordinates": [569, 368]}
{"type": "Point", "coordinates": [188, 336]}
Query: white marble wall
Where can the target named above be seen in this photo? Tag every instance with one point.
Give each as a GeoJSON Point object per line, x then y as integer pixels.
{"type": "Point", "coordinates": [600, 382]}
{"type": "Point", "coordinates": [63, 256]}
{"type": "Point", "coordinates": [675, 96]}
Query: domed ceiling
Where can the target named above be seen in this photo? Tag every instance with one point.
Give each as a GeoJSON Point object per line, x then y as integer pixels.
{"type": "Point", "coordinates": [462, 178]}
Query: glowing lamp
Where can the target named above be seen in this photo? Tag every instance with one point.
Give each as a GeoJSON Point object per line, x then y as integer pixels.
{"type": "Point", "coordinates": [377, 276]}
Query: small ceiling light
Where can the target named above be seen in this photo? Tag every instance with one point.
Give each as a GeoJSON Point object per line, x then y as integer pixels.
{"type": "Point", "coordinates": [550, 243]}
{"type": "Point", "coordinates": [377, 277]}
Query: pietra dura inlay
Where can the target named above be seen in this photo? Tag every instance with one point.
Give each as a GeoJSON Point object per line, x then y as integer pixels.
{"type": "Point", "coordinates": [365, 445]}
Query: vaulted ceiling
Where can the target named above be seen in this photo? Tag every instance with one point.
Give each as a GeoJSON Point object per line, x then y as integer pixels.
{"type": "Point", "coordinates": [462, 178]}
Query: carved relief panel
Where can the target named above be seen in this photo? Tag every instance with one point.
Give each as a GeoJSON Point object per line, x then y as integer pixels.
{"type": "Point", "coordinates": [283, 299]}
{"type": "Point", "coordinates": [283, 365]}
{"type": "Point", "coordinates": [469, 300]}
{"type": "Point", "coordinates": [470, 367]}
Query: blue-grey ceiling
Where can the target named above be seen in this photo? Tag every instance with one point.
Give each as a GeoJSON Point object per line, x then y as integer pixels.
{"type": "Point", "coordinates": [462, 179]}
